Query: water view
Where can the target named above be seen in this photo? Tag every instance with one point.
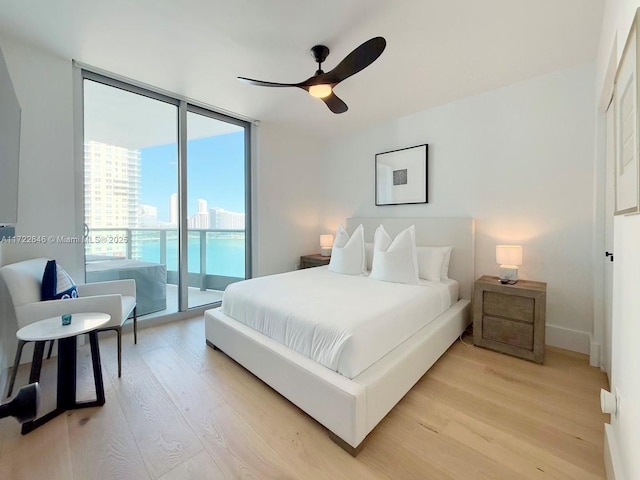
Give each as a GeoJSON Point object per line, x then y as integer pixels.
{"type": "Point", "coordinates": [225, 253]}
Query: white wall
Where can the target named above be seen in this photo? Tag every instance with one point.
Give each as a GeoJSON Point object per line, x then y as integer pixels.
{"type": "Point", "coordinates": [624, 435]}
{"type": "Point", "coordinates": [520, 161]}
{"type": "Point", "coordinates": [286, 213]}
{"type": "Point", "coordinates": [46, 205]}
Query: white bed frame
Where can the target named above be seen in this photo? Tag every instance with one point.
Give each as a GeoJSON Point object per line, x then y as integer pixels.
{"type": "Point", "coordinates": [351, 408]}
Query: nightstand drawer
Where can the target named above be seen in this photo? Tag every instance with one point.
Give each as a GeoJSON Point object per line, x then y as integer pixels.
{"type": "Point", "coordinates": [509, 306]}
{"type": "Point", "coordinates": [510, 318]}
{"type": "Point", "coordinates": [517, 334]}
{"type": "Point", "coordinates": [315, 260]}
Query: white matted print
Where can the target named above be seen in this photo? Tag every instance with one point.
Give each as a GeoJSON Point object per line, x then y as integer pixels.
{"type": "Point", "coordinates": [626, 128]}
{"type": "Point", "coordinates": [401, 176]}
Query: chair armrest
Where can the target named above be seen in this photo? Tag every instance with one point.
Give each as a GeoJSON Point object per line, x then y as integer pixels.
{"type": "Point", "coordinates": [32, 312]}
{"type": "Point", "coordinates": [123, 287]}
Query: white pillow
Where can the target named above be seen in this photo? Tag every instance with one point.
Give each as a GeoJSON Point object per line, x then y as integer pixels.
{"type": "Point", "coordinates": [347, 255]}
{"type": "Point", "coordinates": [432, 260]}
{"type": "Point", "coordinates": [395, 261]}
{"type": "Point", "coordinates": [444, 273]}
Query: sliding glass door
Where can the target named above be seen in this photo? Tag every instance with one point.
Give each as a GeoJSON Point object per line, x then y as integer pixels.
{"type": "Point", "coordinates": [166, 197]}
{"type": "Point", "coordinates": [215, 204]}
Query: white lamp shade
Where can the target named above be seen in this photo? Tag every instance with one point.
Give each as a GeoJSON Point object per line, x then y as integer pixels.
{"type": "Point", "coordinates": [326, 241]}
{"type": "Point", "coordinates": [509, 254]}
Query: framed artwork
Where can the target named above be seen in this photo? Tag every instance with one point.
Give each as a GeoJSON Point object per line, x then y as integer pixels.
{"type": "Point", "coordinates": [401, 176]}
{"type": "Point", "coordinates": [625, 104]}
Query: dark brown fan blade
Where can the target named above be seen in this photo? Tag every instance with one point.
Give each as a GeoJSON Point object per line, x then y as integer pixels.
{"type": "Point", "coordinates": [262, 83]}
{"type": "Point", "coordinates": [335, 104]}
{"type": "Point", "coordinates": [359, 59]}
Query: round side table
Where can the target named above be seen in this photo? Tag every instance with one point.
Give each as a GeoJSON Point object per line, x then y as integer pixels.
{"type": "Point", "coordinates": [52, 329]}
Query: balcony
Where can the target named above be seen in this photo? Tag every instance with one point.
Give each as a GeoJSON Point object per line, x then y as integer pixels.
{"type": "Point", "coordinates": [216, 258]}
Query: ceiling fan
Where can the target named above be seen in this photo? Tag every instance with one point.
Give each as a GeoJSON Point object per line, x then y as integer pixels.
{"type": "Point", "coordinates": [321, 84]}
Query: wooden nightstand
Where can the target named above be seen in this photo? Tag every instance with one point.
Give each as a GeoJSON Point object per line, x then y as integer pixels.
{"type": "Point", "coordinates": [510, 318]}
{"type": "Point", "coordinates": [315, 260]}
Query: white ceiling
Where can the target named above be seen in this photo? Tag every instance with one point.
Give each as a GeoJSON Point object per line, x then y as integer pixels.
{"type": "Point", "coordinates": [437, 50]}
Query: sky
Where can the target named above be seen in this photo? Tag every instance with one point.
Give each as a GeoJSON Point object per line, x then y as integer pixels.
{"type": "Point", "coordinates": [215, 173]}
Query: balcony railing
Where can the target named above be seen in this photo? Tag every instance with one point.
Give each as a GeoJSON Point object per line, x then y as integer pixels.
{"type": "Point", "coordinates": [215, 257]}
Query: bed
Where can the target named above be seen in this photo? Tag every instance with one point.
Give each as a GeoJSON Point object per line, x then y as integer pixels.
{"type": "Point", "coordinates": [348, 397]}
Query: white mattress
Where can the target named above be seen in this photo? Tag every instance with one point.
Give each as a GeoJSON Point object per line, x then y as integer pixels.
{"type": "Point", "coordinates": [343, 322]}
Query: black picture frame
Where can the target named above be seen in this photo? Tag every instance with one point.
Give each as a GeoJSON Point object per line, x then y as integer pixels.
{"type": "Point", "coordinates": [401, 176]}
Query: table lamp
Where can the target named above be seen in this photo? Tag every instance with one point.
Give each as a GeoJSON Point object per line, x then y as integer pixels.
{"type": "Point", "coordinates": [509, 257]}
{"type": "Point", "coordinates": [326, 242]}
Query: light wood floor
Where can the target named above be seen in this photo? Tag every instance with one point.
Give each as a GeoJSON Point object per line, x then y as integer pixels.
{"type": "Point", "coordinates": [184, 411]}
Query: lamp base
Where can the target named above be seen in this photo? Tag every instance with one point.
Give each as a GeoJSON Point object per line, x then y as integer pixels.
{"type": "Point", "coordinates": [508, 274]}
{"type": "Point", "coordinates": [325, 251]}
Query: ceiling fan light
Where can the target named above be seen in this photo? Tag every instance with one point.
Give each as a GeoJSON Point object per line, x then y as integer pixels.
{"type": "Point", "coordinates": [320, 91]}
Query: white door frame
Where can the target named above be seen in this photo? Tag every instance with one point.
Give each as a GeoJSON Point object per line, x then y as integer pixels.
{"type": "Point", "coordinates": [598, 333]}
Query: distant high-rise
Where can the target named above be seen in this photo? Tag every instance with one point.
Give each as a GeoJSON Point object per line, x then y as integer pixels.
{"type": "Point", "coordinates": [200, 219]}
{"type": "Point", "coordinates": [224, 220]}
{"type": "Point", "coordinates": [111, 192]}
{"type": "Point", "coordinates": [111, 186]}
{"type": "Point", "coordinates": [148, 216]}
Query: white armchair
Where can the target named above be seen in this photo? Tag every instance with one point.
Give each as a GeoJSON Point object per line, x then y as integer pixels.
{"type": "Point", "coordinates": [23, 281]}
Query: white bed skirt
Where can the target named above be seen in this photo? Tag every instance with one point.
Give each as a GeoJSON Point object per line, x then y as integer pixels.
{"type": "Point", "coordinates": [348, 408]}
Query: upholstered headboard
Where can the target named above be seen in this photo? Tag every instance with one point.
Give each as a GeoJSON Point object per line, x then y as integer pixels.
{"type": "Point", "coordinates": [458, 232]}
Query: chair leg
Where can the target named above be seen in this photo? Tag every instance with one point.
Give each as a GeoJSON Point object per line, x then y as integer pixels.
{"type": "Point", "coordinates": [119, 334]}
{"type": "Point", "coordinates": [135, 325]}
{"type": "Point", "coordinates": [36, 363]}
{"type": "Point", "coordinates": [50, 349]}
{"type": "Point", "coordinates": [118, 331]}
{"type": "Point", "coordinates": [21, 344]}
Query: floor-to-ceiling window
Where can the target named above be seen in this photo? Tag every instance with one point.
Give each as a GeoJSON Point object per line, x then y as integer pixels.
{"type": "Point", "coordinates": [165, 195]}
{"type": "Point", "coordinates": [215, 203]}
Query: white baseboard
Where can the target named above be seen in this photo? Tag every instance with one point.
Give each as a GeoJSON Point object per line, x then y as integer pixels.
{"type": "Point", "coordinates": [573, 340]}
{"type": "Point", "coordinates": [594, 353]}
{"type": "Point", "coordinates": [612, 464]}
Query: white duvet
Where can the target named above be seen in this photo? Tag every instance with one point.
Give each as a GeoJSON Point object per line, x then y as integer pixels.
{"type": "Point", "coordinates": [343, 322]}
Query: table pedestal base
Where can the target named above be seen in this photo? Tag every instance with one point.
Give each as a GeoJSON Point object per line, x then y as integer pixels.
{"type": "Point", "coordinates": [66, 399]}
